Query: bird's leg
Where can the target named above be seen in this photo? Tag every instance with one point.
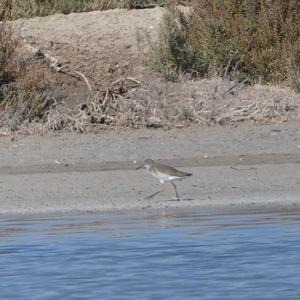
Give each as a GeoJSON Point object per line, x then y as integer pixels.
{"type": "Point", "coordinates": [152, 195]}
{"type": "Point", "coordinates": [161, 189]}
{"type": "Point", "coordinates": [175, 188]}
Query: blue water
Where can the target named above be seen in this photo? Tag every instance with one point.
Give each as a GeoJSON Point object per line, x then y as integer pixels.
{"type": "Point", "coordinates": [151, 255]}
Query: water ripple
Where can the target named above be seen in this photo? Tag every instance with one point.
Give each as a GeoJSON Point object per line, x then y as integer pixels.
{"type": "Point", "coordinates": [150, 255]}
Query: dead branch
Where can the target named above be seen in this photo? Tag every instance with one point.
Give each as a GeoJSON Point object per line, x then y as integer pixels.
{"type": "Point", "coordinates": [85, 79]}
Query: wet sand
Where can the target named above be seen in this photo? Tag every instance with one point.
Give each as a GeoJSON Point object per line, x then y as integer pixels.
{"type": "Point", "coordinates": [252, 167]}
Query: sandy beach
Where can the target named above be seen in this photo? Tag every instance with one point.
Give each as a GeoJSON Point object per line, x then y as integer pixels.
{"type": "Point", "coordinates": [247, 166]}
{"type": "Point", "coordinates": [252, 167]}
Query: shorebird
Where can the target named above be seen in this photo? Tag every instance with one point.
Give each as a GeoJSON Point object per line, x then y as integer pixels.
{"type": "Point", "coordinates": [163, 173]}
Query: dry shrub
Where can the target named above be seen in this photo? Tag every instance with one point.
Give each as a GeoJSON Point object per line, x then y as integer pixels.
{"type": "Point", "coordinates": [259, 39]}
{"type": "Point", "coordinates": [132, 4]}
{"type": "Point", "coordinates": [205, 102]}
{"type": "Point", "coordinates": [21, 83]}
{"type": "Point", "coordinates": [113, 107]}
{"type": "Point", "coordinates": [221, 101]}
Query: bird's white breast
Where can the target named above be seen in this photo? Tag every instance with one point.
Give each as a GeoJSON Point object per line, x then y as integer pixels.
{"type": "Point", "coordinates": [162, 177]}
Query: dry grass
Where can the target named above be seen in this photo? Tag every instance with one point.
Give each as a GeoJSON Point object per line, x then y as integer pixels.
{"type": "Point", "coordinates": [110, 108]}
{"type": "Point", "coordinates": [30, 8]}
{"type": "Point", "coordinates": [21, 83]}
{"type": "Point", "coordinates": [130, 104]}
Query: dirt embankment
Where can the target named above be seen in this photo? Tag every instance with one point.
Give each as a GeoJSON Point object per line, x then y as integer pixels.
{"type": "Point", "coordinates": [103, 45]}
{"type": "Point", "coordinates": [110, 45]}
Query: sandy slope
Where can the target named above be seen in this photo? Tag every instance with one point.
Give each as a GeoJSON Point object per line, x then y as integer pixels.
{"type": "Point", "coordinates": [104, 45]}
{"type": "Point", "coordinates": [240, 167]}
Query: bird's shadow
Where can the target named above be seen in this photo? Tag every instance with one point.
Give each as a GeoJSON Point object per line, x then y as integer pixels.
{"type": "Point", "coordinates": [180, 200]}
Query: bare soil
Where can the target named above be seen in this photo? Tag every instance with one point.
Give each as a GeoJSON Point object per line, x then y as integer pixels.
{"type": "Point", "coordinates": [103, 45]}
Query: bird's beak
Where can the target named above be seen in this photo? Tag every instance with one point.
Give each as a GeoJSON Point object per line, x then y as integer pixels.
{"type": "Point", "coordinates": [140, 166]}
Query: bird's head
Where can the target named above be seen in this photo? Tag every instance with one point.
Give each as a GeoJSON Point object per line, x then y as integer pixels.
{"type": "Point", "coordinates": [148, 163]}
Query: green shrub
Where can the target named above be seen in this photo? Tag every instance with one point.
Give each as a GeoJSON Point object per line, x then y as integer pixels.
{"type": "Point", "coordinates": [176, 54]}
{"type": "Point", "coordinates": [259, 39]}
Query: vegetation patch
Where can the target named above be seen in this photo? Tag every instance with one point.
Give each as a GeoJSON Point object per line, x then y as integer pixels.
{"type": "Point", "coordinates": [22, 83]}
{"type": "Point", "coordinates": [259, 40]}
{"type": "Point", "coordinates": [194, 42]}
{"type": "Point", "coordinates": [176, 54]}
{"type": "Point", "coordinates": [14, 9]}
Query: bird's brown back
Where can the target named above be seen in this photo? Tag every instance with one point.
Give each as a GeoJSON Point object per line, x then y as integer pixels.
{"type": "Point", "coordinates": [170, 170]}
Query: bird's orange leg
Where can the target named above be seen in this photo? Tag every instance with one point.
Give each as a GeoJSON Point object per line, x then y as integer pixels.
{"type": "Point", "coordinates": [161, 189]}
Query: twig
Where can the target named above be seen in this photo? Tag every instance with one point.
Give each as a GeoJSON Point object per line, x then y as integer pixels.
{"type": "Point", "coordinates": [105, 99]}
{"type": "Point", "coordinates": [133, 80]}
{"type": "Point", "coordinates": [234, 86]}
{"type": "Point", "coordinates": [117, 81]}
{"type": "Point", "coordinates": [85, 79]}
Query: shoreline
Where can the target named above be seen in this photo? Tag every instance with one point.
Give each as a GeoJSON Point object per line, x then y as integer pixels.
{"type": "Point", "coordinates": [252, 207]}
{"type": "Point", "coordinates": [247, 167]}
